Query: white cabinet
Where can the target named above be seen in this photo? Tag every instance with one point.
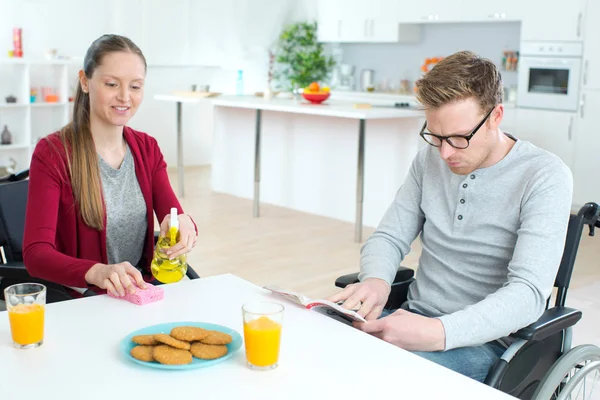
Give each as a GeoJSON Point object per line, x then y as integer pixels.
{"type": "Point", "coordinates": [550, 130]}
{"type": "Point", "coordinates": [329, 20]}
{"type": "Point", "coordinates": [358, 21]}
{"type": "Point", "coordinates": [491, 11]}
{"type": "Point", "coordinates": [410, 11]}
{"type": "Point", "coordinates": [591, 46]}
{"type": "Point", "coordinates": [383, 15]}
{"type": "Point", "coordinates": [553, 20]}
{"type": "Point", "coordinates": [585, 164]}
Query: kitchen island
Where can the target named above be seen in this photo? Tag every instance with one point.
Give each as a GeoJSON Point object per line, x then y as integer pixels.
{"type": "Point", "coordinates": [331, 159]}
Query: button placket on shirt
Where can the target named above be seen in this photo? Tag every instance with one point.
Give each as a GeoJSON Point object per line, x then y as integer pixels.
{"type": "Point", "coordinates": [461, 207]}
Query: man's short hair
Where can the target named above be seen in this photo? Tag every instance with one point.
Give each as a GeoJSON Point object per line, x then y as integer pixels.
{"type": "Point", "coordinates": [461, 76]}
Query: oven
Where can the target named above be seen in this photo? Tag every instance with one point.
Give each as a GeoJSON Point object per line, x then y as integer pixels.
{"type": "Point", "coordinates": [549, 75]}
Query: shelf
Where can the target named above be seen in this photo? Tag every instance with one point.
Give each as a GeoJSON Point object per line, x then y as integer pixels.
{"type": "Point", "coordinates": [14, 147]}
{"type": "Point", "coordinates": [22, 74]}
{"type": "Point", "coordinates": [25, 61]}
{"type": "Point", "coordinates": [51, 62]}
{"type": "Point", "coordinates": [42, 104]}
{"type": "Point", "coordinates": [12, 61]}
{"type": "Point", "coordinates": [13, 105]}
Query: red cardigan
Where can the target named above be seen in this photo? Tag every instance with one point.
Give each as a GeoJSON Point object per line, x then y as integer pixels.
{"type": "Point", "coordinates": [58, 246]}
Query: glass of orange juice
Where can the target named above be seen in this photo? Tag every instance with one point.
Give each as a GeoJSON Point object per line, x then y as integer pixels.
{"type": "Point", "coordinates": [262, 334]}
{"type": "Point", "coordinates": [25, 303]}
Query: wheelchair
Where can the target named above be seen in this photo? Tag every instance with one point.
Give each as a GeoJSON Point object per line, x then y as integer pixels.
{"type": "Point", "coordinates": [540, 364]}
{"type": "Point", "coordinates": [13, 202]}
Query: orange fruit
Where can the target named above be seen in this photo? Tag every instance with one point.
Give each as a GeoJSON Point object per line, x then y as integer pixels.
{"type": "Point", "coordinates": [313, 87]}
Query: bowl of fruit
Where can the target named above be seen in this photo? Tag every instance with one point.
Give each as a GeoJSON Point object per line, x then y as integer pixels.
{"type": "Point", "coordinates": [315, 93]}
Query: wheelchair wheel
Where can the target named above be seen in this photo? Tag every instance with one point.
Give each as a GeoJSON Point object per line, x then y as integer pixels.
{"type": "Point", "coordinates": [575, 375]}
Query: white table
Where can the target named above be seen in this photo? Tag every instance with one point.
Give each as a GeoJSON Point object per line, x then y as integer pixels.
{"type": "Point", "coordinates": [320, 357]}
{"type": "Point", "coordinates": [178, 100]}
{"type": "Point", "coordinates": [332, 108]}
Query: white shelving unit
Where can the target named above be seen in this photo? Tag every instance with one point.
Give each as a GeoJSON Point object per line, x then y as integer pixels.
{"type": "Point", "coordinates": [28, 122]}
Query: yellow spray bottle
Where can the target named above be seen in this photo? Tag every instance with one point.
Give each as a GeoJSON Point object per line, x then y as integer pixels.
{"type": "Point", "coordinates": [163, 269]}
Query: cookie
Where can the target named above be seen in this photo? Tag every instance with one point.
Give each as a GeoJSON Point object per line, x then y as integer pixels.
{"type": "Point", "coordinates": [171, 341]}
{"type": "Point", "coordinates": [189, 333]}
{"type": "Point", "coordinates": [215, 337]}
{"type": "Point", "coordinates": [145, 340]}
{"type": "Point", "coordinates": [143, 353]}
{"type": "Point", "coordinates": [171, 356]}
{"type": "Point", "coordinates": [208, 351]}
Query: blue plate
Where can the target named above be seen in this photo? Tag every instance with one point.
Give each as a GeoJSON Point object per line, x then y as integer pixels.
{"type": "Point", "coordinates": [127, 344]}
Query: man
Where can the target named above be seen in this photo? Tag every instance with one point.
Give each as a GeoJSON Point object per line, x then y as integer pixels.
{"type": "Point", "coordinates": [492, 213]}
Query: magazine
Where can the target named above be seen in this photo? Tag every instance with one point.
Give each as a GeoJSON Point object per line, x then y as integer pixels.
{"type": "Point", "coordinates": [334, 310]}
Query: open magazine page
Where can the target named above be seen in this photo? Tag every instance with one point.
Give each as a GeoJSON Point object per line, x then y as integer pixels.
{"type": "Point", "coordinates": [322, 306]}
{"type": "Point", "coordinates": [293, 296]}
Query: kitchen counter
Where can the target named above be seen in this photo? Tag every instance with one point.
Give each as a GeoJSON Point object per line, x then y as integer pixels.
{"type": "Point", "coordinates": [330, 108]}
{"type": "Point", "coordinates": [331, 159]}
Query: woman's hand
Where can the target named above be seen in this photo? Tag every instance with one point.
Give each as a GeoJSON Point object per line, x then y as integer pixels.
{"type": "Point", "coordinates": [187, 235]}
{"type": "Point", "coordinates": [115, 278]}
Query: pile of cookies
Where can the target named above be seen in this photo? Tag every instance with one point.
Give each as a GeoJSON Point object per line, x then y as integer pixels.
{"type": "Point", "coordinates": [183, 343]}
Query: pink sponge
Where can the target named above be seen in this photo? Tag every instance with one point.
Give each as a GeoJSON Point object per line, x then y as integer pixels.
{"type": "Point", "coordinates": [143, 296]}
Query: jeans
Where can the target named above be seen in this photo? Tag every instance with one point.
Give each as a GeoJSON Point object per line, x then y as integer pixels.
{"type": "Point", "coordinates": [474, 362]}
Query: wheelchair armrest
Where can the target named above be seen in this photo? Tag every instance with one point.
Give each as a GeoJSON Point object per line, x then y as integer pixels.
{"type": "Point", "coordinates": [552, 321]}
{"type": "Point", "coordinates": [403, 274]}
{"type": "Point", "coordinates": [14, 270]}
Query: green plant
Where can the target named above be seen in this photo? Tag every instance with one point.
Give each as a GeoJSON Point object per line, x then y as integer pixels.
{"type": "Point", "coordinates": [300, 57]}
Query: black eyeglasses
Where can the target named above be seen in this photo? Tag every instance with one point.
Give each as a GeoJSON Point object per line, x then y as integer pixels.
{"type": "Point", "coordinates": [456, 141]}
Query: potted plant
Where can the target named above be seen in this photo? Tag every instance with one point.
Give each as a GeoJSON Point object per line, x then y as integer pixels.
{"type": "Point", "coordinates": [300, 59]}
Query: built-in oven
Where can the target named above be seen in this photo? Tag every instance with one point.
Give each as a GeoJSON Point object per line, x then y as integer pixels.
{"type": "Point", "coordinates": [549, 75]}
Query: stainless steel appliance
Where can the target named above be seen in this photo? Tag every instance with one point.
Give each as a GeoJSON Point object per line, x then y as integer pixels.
{"type": "Point", "coordinates": [367, 80]}
{"type": "Point", "coordinates": [549, 75]}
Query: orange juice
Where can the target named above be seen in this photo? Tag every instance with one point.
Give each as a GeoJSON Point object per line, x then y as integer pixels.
{"type": "Point", "coordinates": [27, 323]}
{"type": "Point", "coordinates": [262, 337]}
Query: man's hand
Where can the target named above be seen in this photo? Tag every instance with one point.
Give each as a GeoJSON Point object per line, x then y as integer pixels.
{"type": "Point", "coordinates": [407, 330]}
{"type": "Point", "coordinates": [373, 293]}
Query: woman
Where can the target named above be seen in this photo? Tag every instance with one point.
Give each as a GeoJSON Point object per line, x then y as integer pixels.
{"type": "Point", "coordinates": [95, 184]}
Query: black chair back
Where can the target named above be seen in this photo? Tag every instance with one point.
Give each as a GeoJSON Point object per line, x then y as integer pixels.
{"type": "Point", "coordinates": [13, 202]}
{"type": "Point", "coordinates": [588, 215]}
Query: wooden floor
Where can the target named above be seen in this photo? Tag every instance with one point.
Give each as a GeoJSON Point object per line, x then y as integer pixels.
{"type": "Point", "coordinates": [292, 249]}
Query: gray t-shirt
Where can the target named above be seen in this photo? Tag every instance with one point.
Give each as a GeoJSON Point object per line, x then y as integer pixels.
{"type": "Point", "coordinates": [127, 222]}
{"type": "Point", "coordinates": [492, 241]}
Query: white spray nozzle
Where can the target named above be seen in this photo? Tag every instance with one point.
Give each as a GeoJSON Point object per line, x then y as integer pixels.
{"type": "Point", "coordinates": [174, 221]}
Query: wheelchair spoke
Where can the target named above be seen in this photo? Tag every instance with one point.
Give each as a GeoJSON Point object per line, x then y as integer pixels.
{"type": "Point", "coordinates": [576, 385]}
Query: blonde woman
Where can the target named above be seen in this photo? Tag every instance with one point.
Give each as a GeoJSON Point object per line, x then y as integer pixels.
{"type": "Point", "coordinates": [95, 185]}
